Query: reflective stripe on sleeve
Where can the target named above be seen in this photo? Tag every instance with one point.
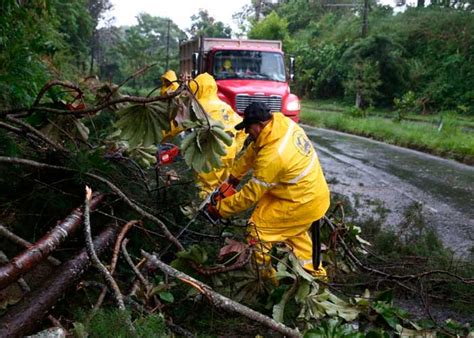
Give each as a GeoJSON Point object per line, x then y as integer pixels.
{"type": "Point", "coordinates": [263, 183]}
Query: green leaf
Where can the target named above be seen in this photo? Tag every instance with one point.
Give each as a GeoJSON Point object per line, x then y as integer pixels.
{"type": "Point", "coordinates": [385, 296]}
{"type": "Point", "coordinates": [194, 253]}
{"type": "Point", "coordinates": [166, 296]}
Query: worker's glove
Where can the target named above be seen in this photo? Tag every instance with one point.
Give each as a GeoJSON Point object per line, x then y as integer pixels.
{"type": "Point", "coordinates": [211, 213]}
{"type": "Point", "coordinates": [234, 182]}
{"type": "Point", "coordinates": [225, 190]}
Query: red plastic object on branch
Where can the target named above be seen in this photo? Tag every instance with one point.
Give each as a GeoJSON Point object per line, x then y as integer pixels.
{"type": "Point", "coordinates": [167, 153]}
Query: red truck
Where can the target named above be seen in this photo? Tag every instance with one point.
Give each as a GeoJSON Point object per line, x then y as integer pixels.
{"type": "Point", "coordinates": [245, 71]}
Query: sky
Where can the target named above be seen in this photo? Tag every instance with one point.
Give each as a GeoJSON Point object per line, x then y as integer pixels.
{"type": "Point", "coordinates": [179, 11]}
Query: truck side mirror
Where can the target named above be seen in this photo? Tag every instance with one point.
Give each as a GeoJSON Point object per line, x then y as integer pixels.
{"type": "Point", "coordinates": [195, 61]}
{"type": "Point", "coordinates": [292, 68]}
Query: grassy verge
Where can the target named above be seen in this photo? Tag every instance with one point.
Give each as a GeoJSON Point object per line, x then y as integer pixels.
{"type": "Point", "coordinates": [453, 141]}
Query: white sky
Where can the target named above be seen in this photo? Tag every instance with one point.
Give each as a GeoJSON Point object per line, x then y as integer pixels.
{"type": "Point", "coordinates": [179, 11]}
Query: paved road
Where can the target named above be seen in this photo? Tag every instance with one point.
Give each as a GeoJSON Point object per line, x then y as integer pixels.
{"type": "Point", "coordinates": [396, 178]}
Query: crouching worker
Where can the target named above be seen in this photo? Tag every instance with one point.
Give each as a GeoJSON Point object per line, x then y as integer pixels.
{"type": "Point", "coordinates": [287, 186]}
{"type": "Point", "coordinates": [204, 87]}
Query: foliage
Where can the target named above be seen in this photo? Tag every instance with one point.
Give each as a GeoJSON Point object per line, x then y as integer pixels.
{"type": "Point", "coordinates": [130, 49]}
{"type": "Point", "coordinates": [410, 51]}
{"type": "Point", "coordinates": [271, 28]}
{"type": "Point", "coordinates": [202, 24]}
{"type": "Point", "coordinates": [405, 104]}
{"type": "Point", "coordinates": [452, 143]}
{"type": "Point", "coordinates": [375, 68]}
{"type": "Point", "coordinates": [112, 323]}
{"type": "Point", "coordinates": [40, 40]}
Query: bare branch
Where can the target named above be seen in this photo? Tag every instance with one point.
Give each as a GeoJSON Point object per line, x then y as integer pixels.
{"type": "Point", "coordinates": [53, 83]}
{"type": "Point", "coordinates": [37, 133]}
{"type": "Point", "coordinates": [220, 301]}
{"type": "Point", "coordinates": [137, 73]}
{"type": "Point", "coordinates": [93, 256]}
{"type": "Point", "coordinates": [142, 279]}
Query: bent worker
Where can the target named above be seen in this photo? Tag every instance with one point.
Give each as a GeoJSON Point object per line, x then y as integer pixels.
{"type": "Point", "coordinates": [204, 87]}
{"type": "Point", "coordinates": [287, 186]}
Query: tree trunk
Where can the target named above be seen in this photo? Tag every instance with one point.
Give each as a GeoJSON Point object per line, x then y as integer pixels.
{"type": "Point", "coordinates": [39, 251]}
{"type": "Point", "coordinates": [25, 316]}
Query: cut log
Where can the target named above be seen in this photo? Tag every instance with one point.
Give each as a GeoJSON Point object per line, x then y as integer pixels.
{"type": "Point", "coordinates": [24, 317]}
{"type": "Point", "coordinates": [39, 251]}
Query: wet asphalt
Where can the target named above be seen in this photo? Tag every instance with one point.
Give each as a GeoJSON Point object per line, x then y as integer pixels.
{"type": "Point", "coordinates": [376, 176]}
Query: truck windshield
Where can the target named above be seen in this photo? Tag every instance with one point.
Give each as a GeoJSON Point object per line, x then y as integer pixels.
{"type": "Point", "coordinates": [244, 64]}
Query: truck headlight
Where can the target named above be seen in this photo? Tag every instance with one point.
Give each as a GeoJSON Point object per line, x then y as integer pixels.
{"type": "Point", "coordinates": [293, 105]}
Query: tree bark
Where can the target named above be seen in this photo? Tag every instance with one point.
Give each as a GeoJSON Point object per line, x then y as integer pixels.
{"type": "Point", "coordinates": [222, 302]}
{"type": "Point", "coordinates": [39, 251]}
{"type": "Point", "coordinates": [25, 316]}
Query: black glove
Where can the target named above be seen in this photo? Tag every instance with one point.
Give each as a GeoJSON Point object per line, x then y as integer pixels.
{"type": "Point", "coordinates": [233, 181]}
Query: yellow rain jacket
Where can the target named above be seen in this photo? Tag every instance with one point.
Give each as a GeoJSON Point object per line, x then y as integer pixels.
{"type": "Point", "coordinates": [170, 76]}
{"type": "Point", "coordinates": [287, 186]}
{"type": "Point", "coordinates": [204, 88]}
{"type": "Point", "coordinates": [167, 88]}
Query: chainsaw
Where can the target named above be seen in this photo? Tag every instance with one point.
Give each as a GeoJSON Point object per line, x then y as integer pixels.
{"type": "Point", "coordinates": [224, 190]}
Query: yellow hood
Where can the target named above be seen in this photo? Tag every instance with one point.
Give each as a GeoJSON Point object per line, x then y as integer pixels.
{"type": "Point", "coordinates": [170, 75]}
{"type": "Point", "coordinates": [204, 87]}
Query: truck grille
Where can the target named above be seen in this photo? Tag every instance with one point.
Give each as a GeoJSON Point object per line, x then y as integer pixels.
{"type": "Point", "coordinates": [243, 100]}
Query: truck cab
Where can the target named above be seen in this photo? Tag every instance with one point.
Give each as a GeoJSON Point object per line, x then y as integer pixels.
{"type": "Point", "coordinates": [246, 71]}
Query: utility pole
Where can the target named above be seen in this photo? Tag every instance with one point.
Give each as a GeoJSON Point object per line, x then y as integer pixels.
{"type": "Point", "coordinates": [365, 30]}
{"type": "Point", "coordinates": [168, 45]}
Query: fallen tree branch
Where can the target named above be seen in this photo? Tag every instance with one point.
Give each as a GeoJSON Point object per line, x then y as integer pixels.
{"type": "Point", "coordinates": [53, 83]}
{"type": "Point", "coordinates": [220, 301]}
{"type": "Point", "coordinates": [22, 318]}
{"type": "Point", "coordinates": [29, 258]}
{"type": "Point", "coordinates": [142, 279]}
{"type": "Point", "coordinates": [134, 75]}
{"type": "Point", "coordinates": [113, 187]}
{"type": "Point", "coordinates": [38, 134]}
{"type": "Point", "coordinates": [240, 263]}
{"type": "Point", "coordinates": [386, 275]}
{"type": "Point", "coordinates": [94, 109]}
{"type": "Point", "coordinates": [23, 285]}
{"type": "Point", "coordinates": [113, 263]}
{"type": "Point", "coordinates": [93, 256]}
{"type": "Point", "coordinates": [24, 243]}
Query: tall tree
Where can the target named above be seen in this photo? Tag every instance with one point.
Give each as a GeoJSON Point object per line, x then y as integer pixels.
{"type": "Point", "coordinates": [97, 8]}
{"type": "Point", "coordinates": [205, 25]}
{"type": "Point", "coordinates": [148, 43]}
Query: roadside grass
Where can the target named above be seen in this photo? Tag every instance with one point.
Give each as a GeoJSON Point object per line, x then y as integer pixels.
{"type": "Point", "coordinates": [452, 141]}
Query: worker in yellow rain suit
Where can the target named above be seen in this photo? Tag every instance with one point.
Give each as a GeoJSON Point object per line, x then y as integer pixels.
{"type": "Point", "coordinates": [204, 87]}
{"type": "Point", "coordinates": [168, 85]}
{"type": "Point", "coordinates": [287, 186]}
{"type": "Point", "coordinates": [169, 82]}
